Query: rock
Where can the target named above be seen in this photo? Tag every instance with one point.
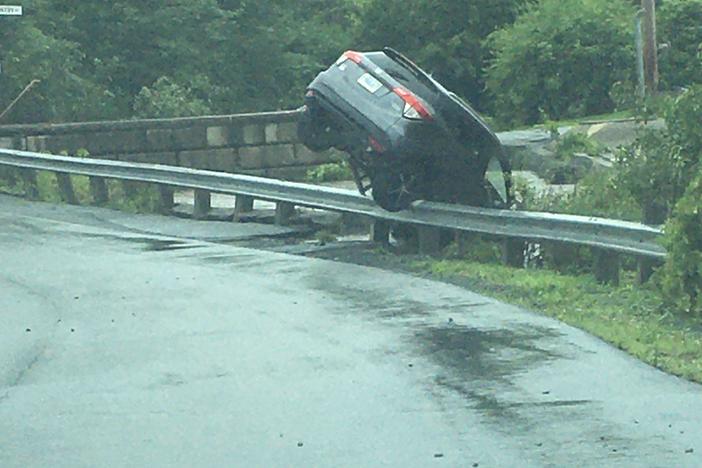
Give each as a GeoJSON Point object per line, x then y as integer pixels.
{"type": "Point", "coordinates": [614, 134]}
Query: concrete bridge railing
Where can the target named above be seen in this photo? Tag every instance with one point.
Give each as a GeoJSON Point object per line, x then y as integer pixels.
{"type": "Point", "coordinates": [262, 144]}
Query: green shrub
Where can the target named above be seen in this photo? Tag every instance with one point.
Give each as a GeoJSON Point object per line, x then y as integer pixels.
{"type": "Point", "coordinates": [596, 194]}
{"type": "Point", "coordinates": [331, 172]}
{"type": "Point", "coordinates": [682, 274]}
{"type": "Point", "coordinates": [560, 59]}
{"type": "Point", "coordinates": [573, 143]}
{"type": "Point", "coordinates": [624, 95]}
{"type": "Point", "coordinates": [647, 173]}
{"type": "Point", "coordinates": [656, 169]}
{"type": "Point", "coordinates": [684, 119]}
{"type": "Point", "coordinates": [679, 26]}
{"type": "Point", "coordinates": [166, 98]}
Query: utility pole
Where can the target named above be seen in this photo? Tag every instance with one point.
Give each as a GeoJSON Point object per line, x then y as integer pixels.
{"type": "Point", "coordinates": [640, 72]}
{"type": "Point", "coordinates": [650, 49]}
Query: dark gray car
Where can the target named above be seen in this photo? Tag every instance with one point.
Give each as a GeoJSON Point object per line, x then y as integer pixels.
{"type": "Point", "coordinates": [407, 137]}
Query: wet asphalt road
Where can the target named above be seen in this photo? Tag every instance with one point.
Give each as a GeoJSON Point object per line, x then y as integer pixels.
{"type": "Point", "coordinates": [125, 348]}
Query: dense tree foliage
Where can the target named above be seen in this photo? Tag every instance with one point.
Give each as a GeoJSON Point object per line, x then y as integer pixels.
{"type": "Point", "coordinates": [101, 59]}
{"type": "Point", "coordinates": [680, 28]}
{"type": "Point", "coordinates": [560, 59]}
{"type": "Point", "coordinates": [682, 274]}
{"type": "Point", "coordinates": [126, 58]}
{"type": "Point", "coordinates": [445, 37]}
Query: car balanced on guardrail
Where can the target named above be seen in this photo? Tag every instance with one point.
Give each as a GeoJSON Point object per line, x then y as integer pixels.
{"type": "Point", "coordinates": [407, 137]}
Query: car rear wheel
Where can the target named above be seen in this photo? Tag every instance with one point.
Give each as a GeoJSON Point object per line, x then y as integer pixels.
{"type": "Point", "coordinates": [395, 188]}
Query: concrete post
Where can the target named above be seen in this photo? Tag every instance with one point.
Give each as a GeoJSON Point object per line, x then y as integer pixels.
{"type": "Point", "coordinates": [202, 204]}
{"type": "Point", "coordinates": [166, 201]}
{"type": "Point", "coordinates": [242, 204]}
{"type": "Point", "coordinates": [380, 232]}
{"type": "Point", "coordinates": [284, 212]}
{"type": "Point", "coordinates": [606, 266]}
{"type": "Point", "coordinates": [98, 191]}
{"type": "Point", "coordinates": [429, 240]}
{"type": "Point", "coordinates": [65, 186]}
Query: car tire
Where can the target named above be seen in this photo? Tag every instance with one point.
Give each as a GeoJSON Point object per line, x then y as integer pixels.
{"type": "Point", "coordinates": [394, 189]}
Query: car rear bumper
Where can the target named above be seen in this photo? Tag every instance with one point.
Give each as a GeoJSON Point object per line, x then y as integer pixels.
{"type": "Point", "coordinates": [401, 140]}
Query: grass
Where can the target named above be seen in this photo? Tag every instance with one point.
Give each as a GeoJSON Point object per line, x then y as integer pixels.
{"type": "Point", "coordinates": [132, 197]}
{"type": "Point", "coordinates": [631, 317]}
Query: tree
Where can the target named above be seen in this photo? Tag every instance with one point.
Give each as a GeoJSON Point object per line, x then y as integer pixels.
{"type": "Point", "coordinates": [679, 28]}
{"type": "Point", "coordinates": [28, 53]}
{"type": "Point", "coordinates": [560, 59]}
{"type": "Point", "coordinates": [445, 37]}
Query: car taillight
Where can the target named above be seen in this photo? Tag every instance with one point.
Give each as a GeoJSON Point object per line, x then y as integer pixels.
{"type": "Point", "coordinates": [353, 56]}
{"type": "Point", "coordinates": [414, 108]}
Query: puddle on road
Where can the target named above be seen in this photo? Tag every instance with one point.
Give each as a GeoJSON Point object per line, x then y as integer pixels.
{"type": "Point", "coordinates": [482, 365]}
{"type": "Point", "coordinates": [484, 354]}
{"type": "Point", "coordinates": [148, 244]}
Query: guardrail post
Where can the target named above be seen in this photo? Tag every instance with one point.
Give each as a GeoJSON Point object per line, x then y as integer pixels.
{"type": "Point", "coordinates": [29, 178]}
{"type": "Point", "coordinates": [65, 186]}
{"type": "Point", "coordinates": [512, 252]}
{"type": "Point", "coordinates": [284, 212]}
{"type": "Point", "coordinates": [129, 187]}
{"type": "Point", "coordinates": [645, 269]}
{"type": "Point", "coordinates": [242, 204]}
{"type": "Point", "coordinates": [654, 214]}
{"type": "Point", "coordinates": [202, 204]}
{"type": "Point", "coordinates": [165, 198]}
{"type": "Point", "coordinates": [606, 266]}
{"type": "Point", "coordinates": [429, 240]}
{"type": "Point", "coordinates": [98, 190]}
{"type": "Point", "coordinates": [463, 242]}
{"type": "Point", "coordinates": [380, 232]}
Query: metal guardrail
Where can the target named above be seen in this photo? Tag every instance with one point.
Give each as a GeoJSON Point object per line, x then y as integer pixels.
{"type": "Point", "coordinates": [606, 234]}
